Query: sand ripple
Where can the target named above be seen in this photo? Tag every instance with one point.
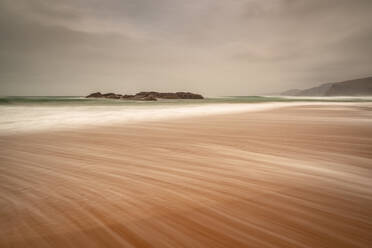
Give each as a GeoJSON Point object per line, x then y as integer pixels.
{"type": "Point", "coordinates": [295, 177]}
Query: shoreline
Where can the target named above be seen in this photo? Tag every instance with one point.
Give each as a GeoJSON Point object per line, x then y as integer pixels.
{"type": "Point", "coordinates": [288, 177]}
{"type": "Point", "coordinates": [39, 119]}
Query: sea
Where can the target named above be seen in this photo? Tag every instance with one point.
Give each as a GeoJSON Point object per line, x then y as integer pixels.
{"type": "Point", "coordinates": [20, 114]}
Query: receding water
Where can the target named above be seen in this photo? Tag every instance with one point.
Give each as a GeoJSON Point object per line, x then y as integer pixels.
{"type": "Point", "coordinates": [30, 114]}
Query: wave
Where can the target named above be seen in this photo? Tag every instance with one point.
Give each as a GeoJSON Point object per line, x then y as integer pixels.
{"type": "Point", "coordinates": [16, 119]}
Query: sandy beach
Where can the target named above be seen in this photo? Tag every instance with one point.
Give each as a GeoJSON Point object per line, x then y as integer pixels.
{"type": "Point", "coordinates": [290, 177]}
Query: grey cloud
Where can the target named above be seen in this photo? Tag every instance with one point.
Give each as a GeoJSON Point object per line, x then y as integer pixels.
{"type": "Point", "coordinates": [215, 47]}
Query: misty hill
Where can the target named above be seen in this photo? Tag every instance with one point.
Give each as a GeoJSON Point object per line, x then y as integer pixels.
{"type": "Point", "coordinates": [355, 87]}
{"type": "Point", "coordinates": [292, 92]}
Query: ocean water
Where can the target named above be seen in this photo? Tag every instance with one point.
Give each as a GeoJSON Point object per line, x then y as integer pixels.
{"type": "Point", "coordinates": [34, 114]}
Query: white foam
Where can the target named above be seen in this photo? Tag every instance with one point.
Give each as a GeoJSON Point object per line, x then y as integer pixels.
{"type": "Point", "coordinates": [18, 119]}
{"type": "Point", "coordinates": [328, 98]}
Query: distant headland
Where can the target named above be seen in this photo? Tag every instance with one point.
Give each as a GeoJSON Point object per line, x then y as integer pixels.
{"type": "Point", "coordinates": [147, 96]}
{"type": "Point", "coordinates": [355, 87]}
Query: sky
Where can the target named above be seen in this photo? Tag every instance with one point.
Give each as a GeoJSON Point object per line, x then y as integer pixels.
{"type": "Point", "coordinates": [213, 47]}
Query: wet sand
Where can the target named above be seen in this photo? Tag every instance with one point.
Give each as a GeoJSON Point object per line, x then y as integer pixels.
{"type": "Point", "coordinates": [290, 177]}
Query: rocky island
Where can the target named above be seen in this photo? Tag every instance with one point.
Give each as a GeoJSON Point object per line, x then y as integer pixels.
{"type": "Point", "coordinates": [147, 96]}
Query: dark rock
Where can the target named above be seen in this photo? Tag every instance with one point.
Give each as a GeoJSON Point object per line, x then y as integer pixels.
{"type": "Point", "coordinates": [189, 95]}
{"type": "Point", "coordinates": [177, 95]}
{"type": "Point", "coordinates": [148, 96]}
{"type": "Point", "coordinates": [126, 96]}
{"type": "Point", "coordinates": [147, 93]}
{"type": "Point", "coordinates": [96, 95]}
{"type": "Point", "coordinates": [112, 96]}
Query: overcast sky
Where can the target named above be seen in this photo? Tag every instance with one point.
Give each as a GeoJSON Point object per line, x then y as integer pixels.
{"type": "Point", "coordinates": [214, 47]}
